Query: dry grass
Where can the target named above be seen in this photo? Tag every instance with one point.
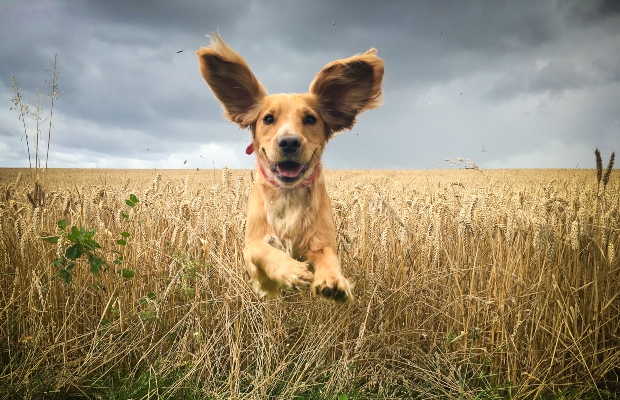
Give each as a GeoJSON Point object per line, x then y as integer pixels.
{"type": "Point", "coordinates": [469, 284]}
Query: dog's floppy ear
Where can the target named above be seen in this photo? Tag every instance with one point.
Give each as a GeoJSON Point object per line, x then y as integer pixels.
{"type": "Point", "coordinates": [232, 82]}
{"type": "Point", "coordinates": [347, 87]}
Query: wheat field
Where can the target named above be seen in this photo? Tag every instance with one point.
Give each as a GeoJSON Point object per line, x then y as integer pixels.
{"type": "Point", "coordinates": [470, 284]}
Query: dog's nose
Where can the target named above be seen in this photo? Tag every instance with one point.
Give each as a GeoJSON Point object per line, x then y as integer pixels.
{"type": "Point", "coordinates": [289, 144]}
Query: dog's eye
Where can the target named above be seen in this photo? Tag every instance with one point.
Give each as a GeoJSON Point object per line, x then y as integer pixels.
{"type": "Point", "coordinates": [309, 120]}
{"type": "Point", "coordinates": [268, 119]}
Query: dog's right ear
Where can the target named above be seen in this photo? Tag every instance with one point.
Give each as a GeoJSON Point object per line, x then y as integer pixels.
{"type": "Point", "coordinates": [231, 81]}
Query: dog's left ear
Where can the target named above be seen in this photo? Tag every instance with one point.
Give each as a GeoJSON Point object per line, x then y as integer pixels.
{"type": "Point", "coordinates": [347, 87]}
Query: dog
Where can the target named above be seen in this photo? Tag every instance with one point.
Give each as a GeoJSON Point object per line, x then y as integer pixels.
{"type": "Point", "coordinates": [290, 239]}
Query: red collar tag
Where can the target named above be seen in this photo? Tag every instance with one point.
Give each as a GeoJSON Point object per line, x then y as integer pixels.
{"type": "Point", "coordinates": [250, 149]}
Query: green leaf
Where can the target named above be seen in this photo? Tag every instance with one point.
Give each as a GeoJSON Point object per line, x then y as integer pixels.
{"type": "Point", "coordinates": [125, 234]}
{"type": "Point", "coordinates": [76, 235]}
{"type": "Point", "coordinates": [343, 397]}
{"type": "Point", "coordinates": [70, 267]}
{"type": "Point", "coordinates": [58, 262]}
{"type": "Point", "coordinates": [65, 275]}
{"type": "Point", "coordinates": [89, 234]}
{"type": "Point", "coordinates": [121, 242]}
{"type": "Point", "coordinates": [62, 224]}
{"type": "Point", "coordinates": [51, 239]}
{"type": "Point", "coordinates": [130, 203]}
{"type": "Point", "coordinates": [456, 339]}
{"type": "Point", "coordinates": [74, 252]}
{"type": "Point", "coordinates": [91, 245]}
{"type": "Point", "coordinates": [95, 264]}
{"type": "Point", "coordinates": [126, 216]}
{"type": "Point", "coordinates": [127, 273]}
{"type": "Point", "coordinates": [133, 198]}
{"type": "Point", "coordinates": [151, 295]}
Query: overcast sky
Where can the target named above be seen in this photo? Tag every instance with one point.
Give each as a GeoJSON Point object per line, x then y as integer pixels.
{"type": "Point", "coordinates": [505, 84]}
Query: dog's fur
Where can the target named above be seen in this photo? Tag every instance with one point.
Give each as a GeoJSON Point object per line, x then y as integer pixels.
{"type": "Point", "coordinates": [290, 241]}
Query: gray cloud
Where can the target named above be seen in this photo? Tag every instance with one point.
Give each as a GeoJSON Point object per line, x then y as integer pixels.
{"type": "Point", "coordinates": [507, 85]}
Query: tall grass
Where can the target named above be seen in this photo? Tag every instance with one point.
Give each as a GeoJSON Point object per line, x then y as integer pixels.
{"type": "Point", "coordinates": [469, 285]}
{"type": "Point", "coordinates": [34, 113]}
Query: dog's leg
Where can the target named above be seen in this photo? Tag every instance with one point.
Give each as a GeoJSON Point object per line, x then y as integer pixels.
{"type": "Point", "coordinates": [270, 268]}
{"type": "Point", "coordinates": [328, 280]}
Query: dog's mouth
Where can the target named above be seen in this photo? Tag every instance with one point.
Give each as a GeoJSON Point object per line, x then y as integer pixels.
{"type": "Point", "coordinates": [288, 171]}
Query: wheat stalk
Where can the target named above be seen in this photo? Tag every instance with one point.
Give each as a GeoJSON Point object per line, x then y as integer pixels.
{"type": "Point", "coordinates": [610, 166]}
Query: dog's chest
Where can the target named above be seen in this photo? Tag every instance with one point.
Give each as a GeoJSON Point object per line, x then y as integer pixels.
{"type": "Point", "coordinates": [288, 216]}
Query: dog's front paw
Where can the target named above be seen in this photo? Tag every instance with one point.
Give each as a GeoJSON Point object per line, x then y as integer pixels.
{"type": "Point", "coordinates": [333, 286]}
{"type": "Point", "coordinates": [294, 276]}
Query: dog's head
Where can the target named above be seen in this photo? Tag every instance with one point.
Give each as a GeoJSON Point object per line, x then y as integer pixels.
{"type": "Point", "coordinates": [290, 131]}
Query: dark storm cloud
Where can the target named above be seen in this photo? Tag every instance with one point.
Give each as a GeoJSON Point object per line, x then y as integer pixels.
{"type": "Point", "coordinates": [507, 84]}
{"type": "Point", "coordinates": [554, 79]}
{"type": "Point", "coordinates": [591, 12]}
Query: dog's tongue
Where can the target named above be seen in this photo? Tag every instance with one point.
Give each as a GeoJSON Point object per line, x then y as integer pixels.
{"type": "Point", "coordinates": [289, 169]}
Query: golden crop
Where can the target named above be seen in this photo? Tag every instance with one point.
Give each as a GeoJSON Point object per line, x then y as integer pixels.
{"type": "Point", "coordinates": [468, 282]}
